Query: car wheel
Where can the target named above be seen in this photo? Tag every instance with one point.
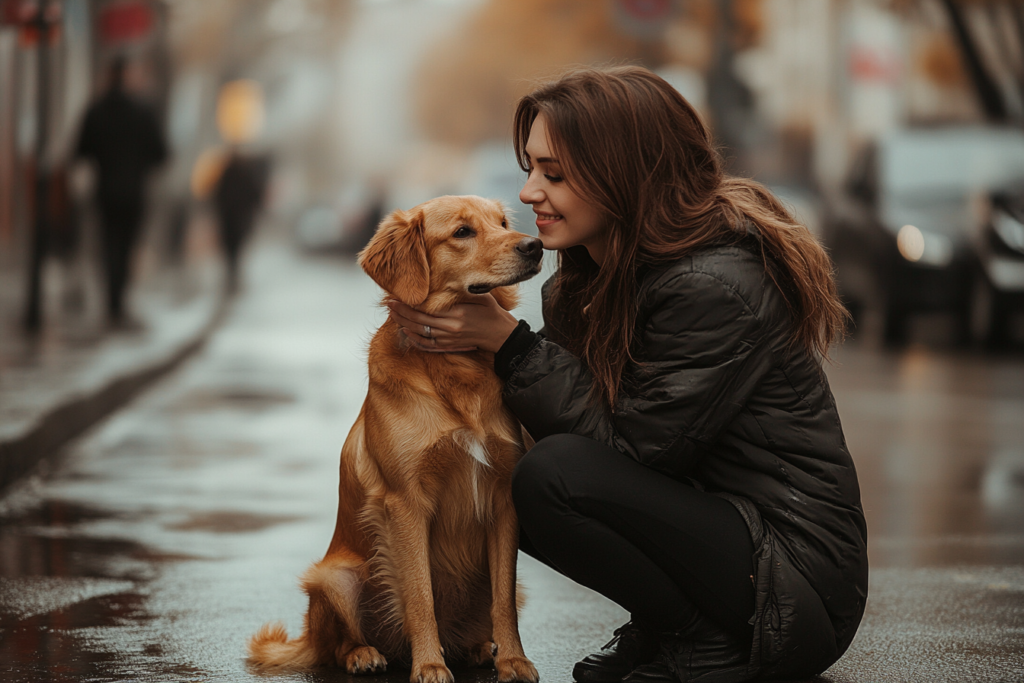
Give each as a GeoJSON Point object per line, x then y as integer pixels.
{"type": "Point", "coordinates": [989, 313]}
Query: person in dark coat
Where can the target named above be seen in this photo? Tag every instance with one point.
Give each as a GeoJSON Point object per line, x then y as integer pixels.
{"type": "Point", "coordinates": [124, 140]}
{"type": "Point", "coordinates": [689, 463]}
{"type": "Point", "coordinates": [237, 198]}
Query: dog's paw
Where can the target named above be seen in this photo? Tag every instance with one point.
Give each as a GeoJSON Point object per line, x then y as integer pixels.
{"type": "Point", "coordinates": [518, 669]}
{"type": "Point", "coordinates": [483, 654]}
{"type": "Point", "coordinates": [431, 673]}
{"type": "Point", "coordinates": [363, 659]}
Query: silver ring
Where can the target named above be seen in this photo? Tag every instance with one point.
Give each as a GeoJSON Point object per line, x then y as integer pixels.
{"type": "Point", "coordinates": [426, 331]}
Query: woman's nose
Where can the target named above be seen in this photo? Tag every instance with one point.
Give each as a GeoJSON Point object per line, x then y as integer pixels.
{"type": "Point", "coordinates": [530, 194]}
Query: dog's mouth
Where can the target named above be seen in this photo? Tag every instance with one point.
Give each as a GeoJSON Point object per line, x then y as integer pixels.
{"type": "Point", "coordinates": [484, 287]}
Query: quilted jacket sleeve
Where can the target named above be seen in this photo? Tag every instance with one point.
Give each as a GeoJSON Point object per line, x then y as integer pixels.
{"type": "Point", "coordinates": [703, 353]}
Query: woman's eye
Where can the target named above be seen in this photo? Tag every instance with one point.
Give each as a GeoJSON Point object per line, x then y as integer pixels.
{"type": "Point", "coordinates": [464, 232]}
{"type": "Point", "coordinates": [553, 178]}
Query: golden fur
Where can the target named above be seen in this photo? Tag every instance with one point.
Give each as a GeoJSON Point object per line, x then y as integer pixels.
{"type": "Point", "coordinates": [422, 565]}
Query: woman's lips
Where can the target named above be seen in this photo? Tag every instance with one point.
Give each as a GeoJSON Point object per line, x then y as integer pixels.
{"type": "Point", "coordinates": [546, 219]}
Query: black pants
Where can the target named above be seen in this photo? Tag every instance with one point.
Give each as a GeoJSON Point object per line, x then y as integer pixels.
{"type": "Point", "coordinates": [122, 220]}
{"type": "Point", "coordinates": [234, 231]}
{"type": "Point", "coordinates": [661, 549]}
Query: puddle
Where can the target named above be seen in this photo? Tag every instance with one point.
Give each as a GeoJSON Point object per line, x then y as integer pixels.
{"type": "Point", "coordinates": [46, 541]}
{"type": "Point", "coordinates": [59, 646]}
{"type": "Point", "coordinates": [231, 522]}
{"type": "Point", "coordinates": [60, 588]}
{"type": "Point", "coordinates": [55, 512]}
{"type": "Point", "coordinates": [232, 398]}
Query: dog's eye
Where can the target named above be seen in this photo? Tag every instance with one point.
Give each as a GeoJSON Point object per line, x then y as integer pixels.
{"type": "Point", "coordinates": [504, 223]}
{"type": "Point", "coordinates": [464, 232]}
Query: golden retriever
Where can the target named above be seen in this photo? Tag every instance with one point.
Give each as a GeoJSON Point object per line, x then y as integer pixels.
{"type": "Point", "coordinates": [423, 560]}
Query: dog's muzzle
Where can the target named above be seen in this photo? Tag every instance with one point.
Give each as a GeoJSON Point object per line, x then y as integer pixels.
{"type": "Point", "coordinates": [531, 250]}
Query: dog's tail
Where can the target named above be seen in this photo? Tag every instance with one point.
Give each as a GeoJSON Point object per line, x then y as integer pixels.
{"type": "Point", "coordinates": [270, 648]}
{"type": "Point", "coordinates": [332, 621]}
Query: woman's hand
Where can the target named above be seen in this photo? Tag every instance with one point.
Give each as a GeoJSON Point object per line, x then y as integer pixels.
{"type": "Point", "coordinates": [478, 324]}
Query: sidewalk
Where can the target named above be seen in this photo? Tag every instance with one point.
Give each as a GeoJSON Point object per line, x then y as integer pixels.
{"type": "Point", "coordinates": [176, 527]}
{"type": "Point", "coordinates": [76, 371]}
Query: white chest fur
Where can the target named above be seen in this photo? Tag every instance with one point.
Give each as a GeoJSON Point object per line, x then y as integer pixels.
{"type": "Point", "coordinates": [476, 448]}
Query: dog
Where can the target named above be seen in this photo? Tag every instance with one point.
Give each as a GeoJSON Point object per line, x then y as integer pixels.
{"type": "Point", "coordinates": [422, 565]}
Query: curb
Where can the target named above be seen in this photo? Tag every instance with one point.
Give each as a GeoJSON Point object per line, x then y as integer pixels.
{"type": "Point", "coordinates": [72, 418]}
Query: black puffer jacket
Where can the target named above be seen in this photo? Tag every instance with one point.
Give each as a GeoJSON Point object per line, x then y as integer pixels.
{"type": "Point", "coordinates": [723, 397]}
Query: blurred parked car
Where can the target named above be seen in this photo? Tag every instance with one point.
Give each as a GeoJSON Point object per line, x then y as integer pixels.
{"type": "Point", "coordinates": [804, 204]}
{"type": "Point", "coordinates": [343, 225]}
{"type": "Point", "coordinates": [998, 287]}
{"type": "Point", "coordinates": [910, 230]}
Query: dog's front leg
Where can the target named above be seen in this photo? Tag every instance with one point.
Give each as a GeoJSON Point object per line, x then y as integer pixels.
{"type": "Point", "coordinates": [502, 546]}
{"type": "Point", "coordinates": [409, 533]}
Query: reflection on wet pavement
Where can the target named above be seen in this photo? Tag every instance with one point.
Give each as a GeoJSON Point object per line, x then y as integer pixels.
{"type": "Point", "coordinates": [175, 529]}
{"type": "Point", "coordinates": [59, 587]}
{"type": "Point", "coordinates": [939, 444]}
{"type": "Point", "coordinates": [233, 399]}
{"type": "Point", "coordinates": [228, 522]}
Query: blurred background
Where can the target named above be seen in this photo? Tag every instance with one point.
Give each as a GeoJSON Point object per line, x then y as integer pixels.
{"type": "Point", "coordinates": [191, 179]}
{"type": "Point", "coordinates": [893, 128]}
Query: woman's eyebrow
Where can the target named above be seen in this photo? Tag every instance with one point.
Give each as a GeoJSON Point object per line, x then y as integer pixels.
{"type": "Point", "coordinates": [540, 160]}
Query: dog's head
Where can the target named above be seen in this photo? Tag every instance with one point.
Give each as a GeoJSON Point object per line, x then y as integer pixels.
{"type": "Point", "coordinates": [447, 249]}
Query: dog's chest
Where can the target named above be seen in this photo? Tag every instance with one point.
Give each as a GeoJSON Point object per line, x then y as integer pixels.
{"type": "Point", "coordinates": [476, 461]}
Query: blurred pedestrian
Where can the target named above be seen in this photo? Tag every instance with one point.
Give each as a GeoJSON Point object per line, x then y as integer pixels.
{"type": "Point", "coordinates": [689, 461]}
{"type": "Point", "coordinates": [237, 198]}
{"type": "Point", "coordinates": [123, 138]}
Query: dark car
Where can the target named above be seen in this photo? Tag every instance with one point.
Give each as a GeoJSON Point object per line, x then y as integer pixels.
{"type": "Point", "coordinates": [997, 293]}
{"type": "Point", "coordinates": [907, 230]}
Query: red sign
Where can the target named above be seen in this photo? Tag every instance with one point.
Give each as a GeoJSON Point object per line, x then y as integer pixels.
{"type": "Point", "coordinates": [26, 15]}
{"type": "Point", "coordinates": [125, 22]}
{"type": "Point", "coordinates": [874, 64]}
{"type": "Point", "coordinates": [14, 12]}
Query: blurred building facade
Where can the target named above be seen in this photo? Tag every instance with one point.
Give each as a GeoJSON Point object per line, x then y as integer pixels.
{"type": "Point", "coordinates": [402, 98]}
{"type": "Point", "coordinates": [80, 40]}
{"type": "Point", "coordinates": [791, 87]}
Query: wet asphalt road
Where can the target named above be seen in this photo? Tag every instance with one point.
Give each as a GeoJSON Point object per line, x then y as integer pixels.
{"type": "Point", "coordinates": [167, 535]}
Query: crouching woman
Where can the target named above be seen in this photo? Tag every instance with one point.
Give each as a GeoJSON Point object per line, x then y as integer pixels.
{"type": "Point", "coordinates": [689, 462]}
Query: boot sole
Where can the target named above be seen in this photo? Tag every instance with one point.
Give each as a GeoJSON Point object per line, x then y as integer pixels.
{"type": "Point", "coordinates": [733, 674]}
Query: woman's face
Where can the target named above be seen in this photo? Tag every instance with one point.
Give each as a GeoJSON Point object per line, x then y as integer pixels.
{"type": "Point", "coordinates": [564, 219]}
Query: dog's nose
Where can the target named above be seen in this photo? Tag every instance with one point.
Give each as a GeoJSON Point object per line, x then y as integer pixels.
{"type": "Point", "coordinates": [530, 247]}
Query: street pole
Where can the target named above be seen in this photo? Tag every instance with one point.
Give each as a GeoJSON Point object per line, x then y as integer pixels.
{"type": "Point", "coordinates": [988, 92]}
{"type": "Point", "coordinates": [41, 22]}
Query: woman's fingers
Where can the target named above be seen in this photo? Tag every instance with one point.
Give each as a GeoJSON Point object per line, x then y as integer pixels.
{"type": "Point", "coordinates": [477, 324]}
{"type": "Point", "coordinates": [417, 322]}
{"type": "Point", "coordinates": [432, 345]}
{"type": "Point", "coordinates": [410, 318]}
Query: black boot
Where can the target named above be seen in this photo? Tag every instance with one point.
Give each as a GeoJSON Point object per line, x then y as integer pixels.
{"type": "Point", "coordinates": [700, 655]}
{"type": "Point", "coordinates": [631, 646]}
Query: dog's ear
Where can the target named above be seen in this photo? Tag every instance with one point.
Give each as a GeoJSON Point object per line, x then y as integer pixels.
{"type": "Point", "coordinates": [396, 257]}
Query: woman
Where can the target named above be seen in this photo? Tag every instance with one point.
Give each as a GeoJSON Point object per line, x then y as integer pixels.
{"type": "Point", "coordinates": [689, 461]}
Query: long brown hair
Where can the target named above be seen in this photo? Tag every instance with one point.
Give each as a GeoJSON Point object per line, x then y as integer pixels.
{"type": "Point", "coordinates": [633, 146]}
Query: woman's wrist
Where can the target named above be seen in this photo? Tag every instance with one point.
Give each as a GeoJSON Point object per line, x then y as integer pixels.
{"type": "Point", "coordinates": [501, 333]}
{"type": "Point", "coordinates": [516, 347]}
